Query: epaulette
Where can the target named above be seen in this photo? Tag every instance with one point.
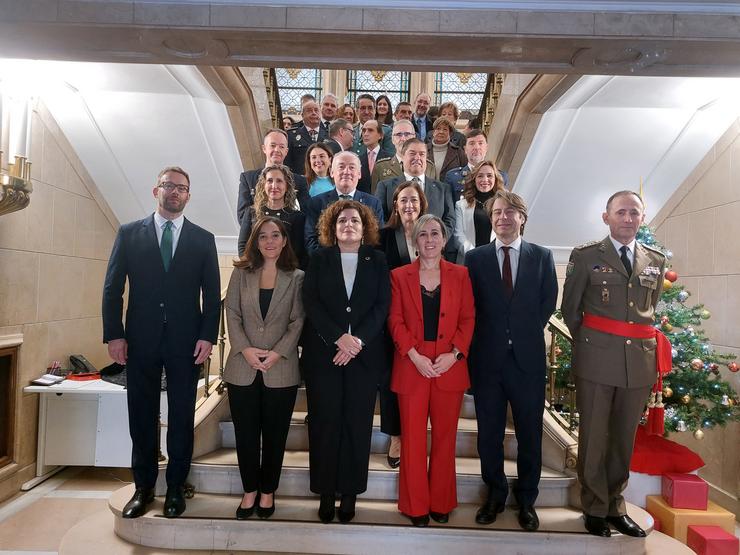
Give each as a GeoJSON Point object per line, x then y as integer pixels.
{"type": "Point", "coordinates": [293, 130]}
{"type": "Point", "coordinates": [589, 244]}
{"type": "Point", "coordinates": [654, 249]}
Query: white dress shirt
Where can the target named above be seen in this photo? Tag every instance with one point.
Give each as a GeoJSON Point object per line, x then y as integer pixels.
{"type": "Point", "coordinates": [630, 249]}
{"type": "Point", "coordinates": [516, 246]}
{"type": "Point", "coordinates": [410, 177]}
{"type": "Point", "coordinates": [159, 222]}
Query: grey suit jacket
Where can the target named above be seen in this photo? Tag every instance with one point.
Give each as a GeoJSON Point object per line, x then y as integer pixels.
{"type": "Point", "coordinates": [278, 331]}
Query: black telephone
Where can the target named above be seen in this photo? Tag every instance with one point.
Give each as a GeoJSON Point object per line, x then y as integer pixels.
{"type": "Point", "coordinates": [80, 365]}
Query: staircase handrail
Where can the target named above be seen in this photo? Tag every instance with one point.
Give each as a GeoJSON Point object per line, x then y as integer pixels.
{"type": "Point", "coordinates": [489, 102]}
{"type": "Point", "coordinates": [273, 97]}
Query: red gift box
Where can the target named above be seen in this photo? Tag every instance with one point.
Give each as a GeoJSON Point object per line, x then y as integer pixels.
{"type": "Point", "coordinates": [685, 491]}
{"type": "Point", "coordinates": [711, 540]}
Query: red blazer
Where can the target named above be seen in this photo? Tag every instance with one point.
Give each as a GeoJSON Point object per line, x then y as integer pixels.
{"type": "Point", "coordinates": [406, 324]}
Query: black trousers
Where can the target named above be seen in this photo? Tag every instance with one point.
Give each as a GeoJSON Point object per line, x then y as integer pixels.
{"type": "Point", "coordinates": [525, 392]}
{"type": "Point", "coordinates": [143, 383]}
{"type": "Point", "coordinates": [341, 402]}
{"type": "Point", "coordinates": [390, 416]}
{"type": "Point", "coordinates": [261, 412]}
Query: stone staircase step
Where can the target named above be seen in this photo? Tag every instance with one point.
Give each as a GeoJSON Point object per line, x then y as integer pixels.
{"type": "Point", "coordinates": [209, 524]}
{"type": "Point", "coordinates": [466, 411]}
{"type": "Point", "coordinates": [467, 437]}
{"type": "Point", "coordinates": [217, 472]}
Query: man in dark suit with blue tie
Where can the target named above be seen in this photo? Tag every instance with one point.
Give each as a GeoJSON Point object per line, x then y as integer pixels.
{"type": "Point", "coordinates": [515, 291]}
{"type": "Point", "coordinates": [345, 171]}
{"type": "Point", "coordinates": [169, 263]}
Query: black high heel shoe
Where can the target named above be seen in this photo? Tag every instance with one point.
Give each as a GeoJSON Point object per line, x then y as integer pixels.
{"type": "Point", "coordinates": [266, 512]}
{"type": "Point", "coordinates": [347, 508]}
{"type": "Point", "coordinates": [326, 508]}
{"type": "Point", "coordinates": [243, 513]}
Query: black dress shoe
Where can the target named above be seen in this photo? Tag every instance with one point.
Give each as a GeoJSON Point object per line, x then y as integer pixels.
{"type": "Point", "coordinates": [346, 510]}
{"type": "Point", "coordinates": [528, 518]}
{"type": "Point", "coordinates": [243, 513]}
{"type": "Point", "coordinates": [442, 518]}
{"type": "Point", "coordinates": [137, 504]}
{"type": "Point", "coordinates": [597, 526]}
{"type": "Point", "coordinates": [174, 502]}
{"type": "Point", "coordinates": [487, 513]}
{"type": "Point", "coordinates": [626, 526]}
{"type": "Point", "coordinates": [326, 508]}
{"type": "Point", "coordinates": [394, 462]}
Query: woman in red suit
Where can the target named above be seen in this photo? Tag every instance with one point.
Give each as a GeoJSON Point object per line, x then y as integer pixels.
{"type": "Point", "coordinates": [431, 321]}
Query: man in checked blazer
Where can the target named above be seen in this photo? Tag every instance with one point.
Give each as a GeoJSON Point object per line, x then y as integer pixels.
{"type": "Point", "coordinates": [515, 291]}
{"type": "Point", "coordinates": [170, 263]}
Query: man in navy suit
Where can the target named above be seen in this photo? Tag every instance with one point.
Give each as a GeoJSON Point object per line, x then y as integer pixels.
{"type": "Point", "coordinates": [169, 263]}
{"type": "Point", "coordinates": [438, 194]}
{"type": "Point", "coordinates": [275, 148]}
{"type": "Point", "coordinates": [515, 291]}
{"type": "Point", "coordinates": [303, 136]}
{"type": "Point", "coordinates": [345, 171]}
{"type": "Point", "coordinates": [422, 122]}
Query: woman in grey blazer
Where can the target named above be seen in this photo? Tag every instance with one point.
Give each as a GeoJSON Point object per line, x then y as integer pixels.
{"type": "Point", "coordinates": [264, 313]}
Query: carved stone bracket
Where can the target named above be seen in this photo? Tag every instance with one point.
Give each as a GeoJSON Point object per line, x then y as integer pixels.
{"type": "Point", "coordinates": [15, 186]}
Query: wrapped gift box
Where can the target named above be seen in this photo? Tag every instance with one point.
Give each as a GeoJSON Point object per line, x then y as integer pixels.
{"type": "Point", "coordinates": [711, 540]}
{"type": "Point", "coordinates": [675, 522]}
{"type": "Point", "coordinates": [685, 491]}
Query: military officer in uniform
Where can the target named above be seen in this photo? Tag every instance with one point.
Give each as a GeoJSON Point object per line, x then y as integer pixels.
{"type": "Point", "coordinates": [303, 136]}
{"type": "Point", "coordinates": [611, 289]}
{"type": "Point", "coordinates": [476, 147]}
{"type": "Point", "coordinates": [391, 166]}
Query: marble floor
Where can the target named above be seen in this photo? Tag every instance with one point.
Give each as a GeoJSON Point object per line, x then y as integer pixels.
{"type": "Point", "coordinates": [69, 515]}
{"type": "Point", "coordinates": [36, 522]}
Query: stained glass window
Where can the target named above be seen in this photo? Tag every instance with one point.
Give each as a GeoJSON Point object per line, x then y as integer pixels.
{"type": "Point", "coordinates": [394, 84]}
{"type": "Point", "coordinates": [464, 89]}
{"type": "Point", "coordinates": [294, 83]}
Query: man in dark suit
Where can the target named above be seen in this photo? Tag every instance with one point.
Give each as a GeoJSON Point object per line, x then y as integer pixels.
{"type": "Point", "coordinates": [372, 137]}
{"type": "Point", "coordinates": [476, 149]}
{"type": "Point", "coordinates": [329, 108]}
{"type": "Point", "coordinates": [169, 263]}
{"type": "Point", "coordinates": [345, 171]}
{"type": "Point", "coordinates": [422, 122]}
{"type": "Point", "coordinates": [392, 166]}
{"type": "Point", "coordinates": [300, 138]}
{"type": "Point", "coordinates": [438, 194]}
{"type": "Point", "coordinates": [341, 135]}
{"type": "Point", "coordinates": [515, 290]}
{"type": "Point", "coordinates": [275, 148]}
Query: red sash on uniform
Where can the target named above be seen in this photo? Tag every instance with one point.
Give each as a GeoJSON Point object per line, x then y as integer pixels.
{"type": "Point", "coordinates": [663, 359]}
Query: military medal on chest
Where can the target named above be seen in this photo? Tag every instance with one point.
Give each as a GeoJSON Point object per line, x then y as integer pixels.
{"type": "Point", "coordinates": [605, 295]}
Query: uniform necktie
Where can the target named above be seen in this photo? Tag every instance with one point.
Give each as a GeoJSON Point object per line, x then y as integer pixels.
{"type": "Point", "coordinates": [314, 135]}
{"type": "Point", "coordinates": [345, 197]}
{"type": "Point", "coordinates": [506, 274]}
{"type": "Point", "coordinates": [625, 259]}
{"type": "Point", "coordinates": [371, 160]}
{"type": "Point", "coordinates": [165, 246]}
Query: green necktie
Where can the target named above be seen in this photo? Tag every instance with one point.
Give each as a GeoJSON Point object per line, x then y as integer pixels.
{"type": "Point", "coordinates": [166, 245]}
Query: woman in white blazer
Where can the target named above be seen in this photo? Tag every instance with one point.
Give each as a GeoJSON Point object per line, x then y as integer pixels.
{"type": "Point", "coordinates": [472, 225]}
{"type": "Point", "coordinates": [264, 313]}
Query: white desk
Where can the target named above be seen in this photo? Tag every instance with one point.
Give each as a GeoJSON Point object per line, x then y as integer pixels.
{"type": "Point", "coordinates": [85, 424]}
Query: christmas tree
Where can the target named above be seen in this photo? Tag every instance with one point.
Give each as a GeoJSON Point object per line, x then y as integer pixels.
{"type": "Point", "coordinates": [695, 396]}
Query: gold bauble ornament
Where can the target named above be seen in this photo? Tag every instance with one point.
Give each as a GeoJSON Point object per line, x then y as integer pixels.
{"type": "Point", "coordinates": [667, 327]}
{"type": "Point", "coordinates": [686, 399]}
{"type": "Point", "coordinates": [667, 392]}
{"type": "Point", "coordinates": [667, 284]}
{"type": "Point", "coordinates": [697, 363]}
{"type": "Point", "coordinates": [705, 314]}
{"type": "Point", "coordinates": [698, 434]}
